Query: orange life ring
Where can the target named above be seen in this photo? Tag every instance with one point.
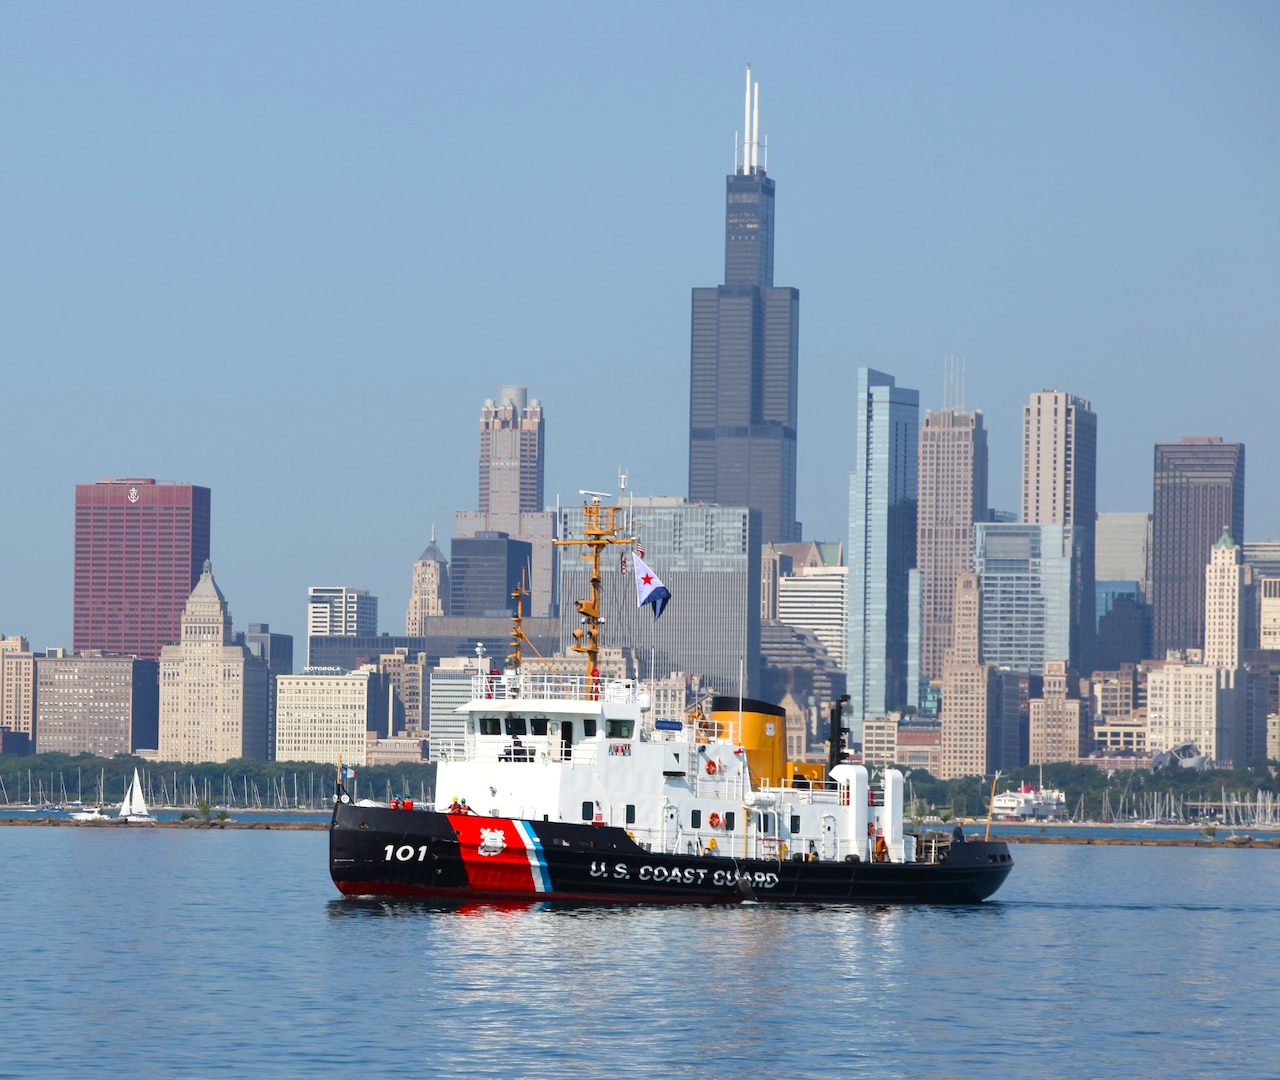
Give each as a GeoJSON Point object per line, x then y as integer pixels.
{"type": "Point", "coordinates": [712, 767]}
{"type": "Point", "coordinates": [714, 821]}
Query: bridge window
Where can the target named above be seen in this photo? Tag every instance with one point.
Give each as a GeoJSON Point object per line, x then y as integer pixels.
{"type": "Point", "coordinates": [538, 725]}
{"type": "Point", "coordinates": [516, 725]}
{"type": "Point", "coordinates": [490, 725]}
{"type": "Point", "coordinates": [619, 729]}
{"type": "Point", "coordinates": [587, 810]}
{"type": "Point", "coordinates": [795, 824]}
{"type": "Point", "coordinates": [631, 813]}
{"type": "Point", "coordinates": [728, 820]}
{"type": "Point", "coordinates": [588, 727]}
{"type": "Point", "coordinates": [695, 819]}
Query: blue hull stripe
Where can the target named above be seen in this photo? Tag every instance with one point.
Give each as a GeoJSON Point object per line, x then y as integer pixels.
{"type": "Point", "coordinates": [533, 848]}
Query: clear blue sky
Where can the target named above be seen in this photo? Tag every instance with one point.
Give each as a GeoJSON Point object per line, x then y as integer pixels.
{"type": "Point", "coordinates": [286, 250]}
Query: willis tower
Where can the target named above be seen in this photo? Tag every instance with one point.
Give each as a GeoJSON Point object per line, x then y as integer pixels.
{"type": "Point", "coordinates": [744, 359]}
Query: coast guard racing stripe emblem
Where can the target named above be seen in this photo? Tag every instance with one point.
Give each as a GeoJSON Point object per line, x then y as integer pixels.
{"type": "Point", "coordinates": [501, 855]}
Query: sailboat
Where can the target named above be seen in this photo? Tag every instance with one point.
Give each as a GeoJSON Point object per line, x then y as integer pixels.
{"type": "Point", "coordinates": [134, 808]}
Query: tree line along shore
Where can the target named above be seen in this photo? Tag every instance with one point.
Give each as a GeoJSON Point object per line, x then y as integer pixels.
{"type": "Point", "coordinates": [1091, 794]}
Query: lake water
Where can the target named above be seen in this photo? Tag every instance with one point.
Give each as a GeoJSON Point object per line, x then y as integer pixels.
{"type": "Point", "coordinates": [167, 953]}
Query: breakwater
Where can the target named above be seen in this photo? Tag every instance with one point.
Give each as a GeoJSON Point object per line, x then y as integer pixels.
{"type": "Point", "coordinates": [264, 826]}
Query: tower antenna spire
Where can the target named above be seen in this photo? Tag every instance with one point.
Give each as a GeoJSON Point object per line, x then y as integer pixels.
{"type": "Point", "coordinates": [746, 127]}
{"type": "Point", "coordinates": [755, 128]}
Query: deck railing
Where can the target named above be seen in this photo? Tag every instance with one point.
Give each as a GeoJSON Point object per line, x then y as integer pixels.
{"type": "Point", "coordinates": [548, 687]}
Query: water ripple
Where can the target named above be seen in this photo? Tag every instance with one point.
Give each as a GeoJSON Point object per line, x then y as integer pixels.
{"type": "Point", "coordinates": [171, 954]}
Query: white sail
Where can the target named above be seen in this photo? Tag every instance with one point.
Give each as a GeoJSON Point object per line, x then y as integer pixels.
{"type": "Point", "coordinates": [134, 805]}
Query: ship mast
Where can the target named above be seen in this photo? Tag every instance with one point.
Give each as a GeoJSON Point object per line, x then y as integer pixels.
{"type": "Point", "coordinates": [600, 526]}
{"type": "Point", "coordinates": [518, 637]}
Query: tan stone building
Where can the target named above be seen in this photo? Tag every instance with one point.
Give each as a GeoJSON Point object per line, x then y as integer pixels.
{"type": "Point", "coordinates": [894, 740]}
{"type": "Point", "coordinates": [952, 496]}
{"type": "Point", "coordinates": [429, 594]}
{"type": "Point", "coordinates": [1190, 702]}
{"type": "Point", "coordinates": [400, 750]}
{"type": "Point", "coordinates": [18, 687]}
{"type": "Point", "coordinates": [1120, 709]}
{"type": "Point", "coordinates": [973, 707]}
{"type": "Point", "coordinates": [1060, 727]}
{"type": "Point", "coordinates": [512, 451]}
{"type": "Point", "coordinates": [1059, 487]}
{"type": "Point", "coordinates": [407, 677]}
{"type": "Point", "coordinates": [213, 693]}
{"type": "Point", "coordinates": [1225, 581]}
{"type": "Point", "coordinates": [1269, 613]}
{"type": "Point", "coordinates": [326, 716]}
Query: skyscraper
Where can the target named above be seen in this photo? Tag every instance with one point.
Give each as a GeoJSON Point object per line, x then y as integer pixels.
{"type": "Point", "coordinates": [213, 692]}
{"type": "Point", "coordinates": [487, 569]}
{"type": "Point", "coordinates": [745, 358]}
{"type": "Point", "coordinates": [1123, 550]}
{"type": "Point", "coordinates": [972, 727]}
{"type": "Point", "coordinates": [429, 595]}
{"type": "Point", "coordinates": [512, 443]}
{"type": "Point", "coordinates": [882, 542]}
{"type": "Point", "coordinates": [511, 457]}
{"type": "Point", "coordinates": [1060, 487]}
{"type": "Point", "coordinates": [1225, 580]}
{"type": "Point", "coordinates": [1060, 727]}
{"type": "Point", "coordinates": [953, 495]}
{"type": "Point", "coordinates": [340, 609]}
{"type": "Point", "coordinates": [139, 548]}
{"type": "Point", "coordinates": [1026, 581]}
{"type": "Point", "coordinates": [1199, 491]}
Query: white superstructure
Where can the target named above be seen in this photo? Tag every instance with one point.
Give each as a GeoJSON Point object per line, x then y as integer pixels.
{"type": "Point", "coordinates": [576, 749]}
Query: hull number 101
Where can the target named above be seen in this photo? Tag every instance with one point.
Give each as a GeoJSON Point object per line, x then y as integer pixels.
{"type": "Point", "coordinates": [405, 853]}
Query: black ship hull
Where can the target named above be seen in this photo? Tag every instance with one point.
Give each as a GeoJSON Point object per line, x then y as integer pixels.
{"type": "Point", "coordinates": [378, 851]}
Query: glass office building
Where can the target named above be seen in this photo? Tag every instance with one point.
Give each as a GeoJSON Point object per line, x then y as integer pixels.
{"type": "Point", "coordinates": [1026, 576]}
{"type": "Point", "coordinates": [139, 547]}
{"type": "Point", "coordinates": [882, 543]}
{"type": "Point", "coordinates": [709, 558]}
{"type": "Point", "coordinates": [1199, 491]}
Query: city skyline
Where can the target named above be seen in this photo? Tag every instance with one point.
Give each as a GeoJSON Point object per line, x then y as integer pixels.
{"type": "Point", "coordinates": [210, 277]}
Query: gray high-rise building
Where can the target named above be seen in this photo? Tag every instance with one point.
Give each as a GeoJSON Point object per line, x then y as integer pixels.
{"type": "Point", "coordinates": [96, 703]}
{"type": "Point", "coordinates": [1199, 491]}
{"type": "Point", "coordinates": [709, 558]}
{"type": "Point", "coordinates": [1123, 550]}
{"type": "Point", "coordinates": [487, 569]}
{"type": "Point", "coordinates": [276, 650]}
{"type": "Point", "coordinates": [745, 360]}
{"type": "Point", "coordinates": [882, 543]}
